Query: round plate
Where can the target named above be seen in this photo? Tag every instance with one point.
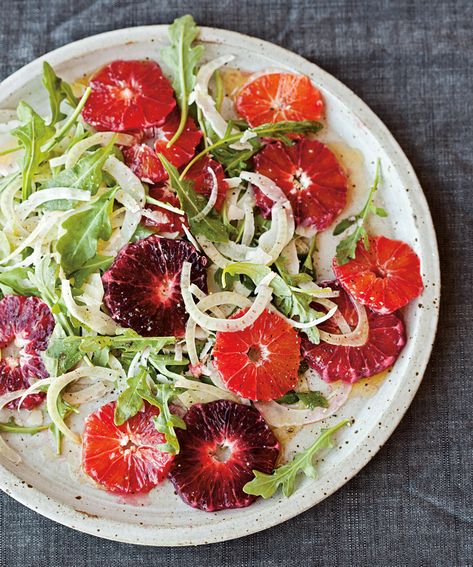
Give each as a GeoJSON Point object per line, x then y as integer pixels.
{"type": "Point", "coordinates": [54, 486]}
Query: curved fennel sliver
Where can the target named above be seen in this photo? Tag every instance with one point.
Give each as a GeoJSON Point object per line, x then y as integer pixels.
{"type": "Point", "coordinates": [99, 138]}
{"type": "Point", "coordinates": [262, 300]}
{"type": "Point", "coordinates": [355, 338]}
{"type": "Point", "coordinates": [206, 303]}
{"type": "Point", "coordinates": [212, 199]}
{"type": "Point", "coordinates": [58, 384]}
{"type": "Point", "coordinates": [207, 104]}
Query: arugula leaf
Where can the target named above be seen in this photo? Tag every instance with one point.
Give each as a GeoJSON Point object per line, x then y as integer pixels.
{"type": "Point", "coordinates": [128, 341]}
{"type": "Point", "coordinates": [310, 400]}
{"type": "Point", "coordinates": [130, 402]}
{"type": "Point", "coordinates": [96, 264]}
{"type": "Point", "coordinates": [17, 279]}
{"type": "Point", "coordinates": [166, 421]}
{"type": "Point", "coordinates": [32, 135]}
{"type": "Point", "coordinates": [58, 91]}
{"type": "Point", "coordinates": [83, 230]}
{"type": "Point", "coordinates": [234, 161]}
{"type": "Point", "coordinates": [192, 203]}
{"type": "Point", "coordinates": [162, 361]}
{"type": "Point", "coordinates": [182, 58]}
{"type": "Point", "coordinates": [87, 174]}
{"type": "Point", "coordinates": [266, 485]}
{"type": "Point", "coordinates": [12, 427]}
{"type": "Point", "coordinates": [292, 302]}
{"type": "Point", "coordinates": [64, 129]}
{"type": "Point", "coordinates": [346, 248]}
{"type": "Point", "coordinates": [308, 264]}
{"type": "Point", "coordinates": [141, 232]}
{"type": "Point", "coordinates": [66, 354]}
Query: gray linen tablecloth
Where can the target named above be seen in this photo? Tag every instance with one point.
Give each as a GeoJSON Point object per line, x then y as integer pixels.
{"type": "Point", "coordinates": [411, 62]}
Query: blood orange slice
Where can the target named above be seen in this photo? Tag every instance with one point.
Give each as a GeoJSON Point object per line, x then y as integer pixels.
{"type": "Point", "coordinates": [26, 323]}
{"type": "Point", "coordinates": [128, 95]}
{"type": "Point", "coordinates": [124, 458]}
{"type": "Point", "coordinates": [143, 158]}
{"type": "Point", "coordinates": [182, 151]}
{"type": "Point", "coordinates": [385, 277]}
{"type": "Point", "coordinates": [143, 285]}
{"type": "Point", "coordinates": [221, 446]}
{"type": "Point", "coordinates": [261, 361]}
{"type": "Point", "coordinates": [310, 176]}
{"type": "Point", "coordinates": [279, 96]}
{"type": "Point", "coordinates": [386, 338]}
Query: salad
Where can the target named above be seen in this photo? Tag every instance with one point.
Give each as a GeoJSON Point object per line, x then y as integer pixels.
{"type": "Point", "coordinates": [158, 258]}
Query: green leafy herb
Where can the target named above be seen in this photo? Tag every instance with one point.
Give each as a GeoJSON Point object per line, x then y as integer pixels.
{"type": "Point", "coordinates": [211, 226]}
{"type": "Point", "coordinates": [64, 353]}
{"type": "Point", "coordinates": [182, 58]}
{"type": "Point", "coordinates": [87, 174]}
{"type": "Point", "coordinates": [266, 485]}
{"type": "Point", "coordinates": [130, 402]}
{"type": "Point", "coordinates": [44, 278]}
{"type": "Point", "coordinates": [308, 264]}
{"type": "Point", "coordinates": [290, 300]}
{"type": "Point", "coordinates": [310, 400]}
{"type": "Point", "coordinates": [128, 341]}
{"type": "Point", "coordinates": [162, 361]}
{"type": "Point", "coordinates": [64, 409]}
{"type": "Point", "coordinates": [96, 264]}
{"type": "Point", "coordinates": [234, 161]}
{"type": "Point", "coordinates": [346, 249]}
{"type": "Point", "coordinates": [12, 427]}
{"type": "Point", "coordinates": [32, 135]}
{"type": "Point", "coordinates": [58, 91]}
{"type": "Point", "coordinates": [166, 421]}
{"type": "Point", "coordinates": [64, 129]}
{"type": "Point", "coordinates": [83, 230]}
{"type": "Point", "coordinates": [141, 232]}
{"type": "Point", "coordinates": [17, 279]}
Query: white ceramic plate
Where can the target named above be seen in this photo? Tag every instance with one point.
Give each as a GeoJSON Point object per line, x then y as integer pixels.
{"type": "Point", "coordinates": [55, 488]}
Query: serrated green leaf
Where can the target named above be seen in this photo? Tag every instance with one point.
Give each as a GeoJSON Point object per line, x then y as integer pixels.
{"type": "Point", "coordinates": [346, 248]}
{"type": "Point", "coordinates": [129, 341]}
{"type": "Point", "coordinates": [17, 279]}
{"type": "Point", "coordinates": [165, 422]}
{"type": "Point", "coordinates": [310, 400]}
{"type": "Point", "coordinates": [284, 477]}
{"type": "Point", "coordinates": [193, 203]}
{"type": "Point", "coordinates": [293, 303]}
{"type": "Point", "coordinates": [130, 402]}
{"type": "Point", "coordinates": [182, 58]}
{"type": "Point", "coordinates": [235, 161]}
{"type": "Point", "coordinates": [87, 174]}
{"type": "Point", "coordinates": [343, 225]}
{"type": "Point", "coordinates": [96, 264]}
{"type": "Point", "coordinates": [66, 354]}
{"type": "Point", "coordinates": [83, 230]}
{"type": "Point", "coordinates": [31, 135]}
{"type": "Point", "coordinates": [58, 90]}
{"type": "Point", "coordinates": [262, 485]}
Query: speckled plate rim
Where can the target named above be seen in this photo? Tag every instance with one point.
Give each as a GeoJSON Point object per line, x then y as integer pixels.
{"type": "Point", "coordinates": [392, 415]}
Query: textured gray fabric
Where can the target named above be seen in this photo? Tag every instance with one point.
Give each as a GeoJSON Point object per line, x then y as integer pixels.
{"type": "Point", "coordinates": [411, 62]}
